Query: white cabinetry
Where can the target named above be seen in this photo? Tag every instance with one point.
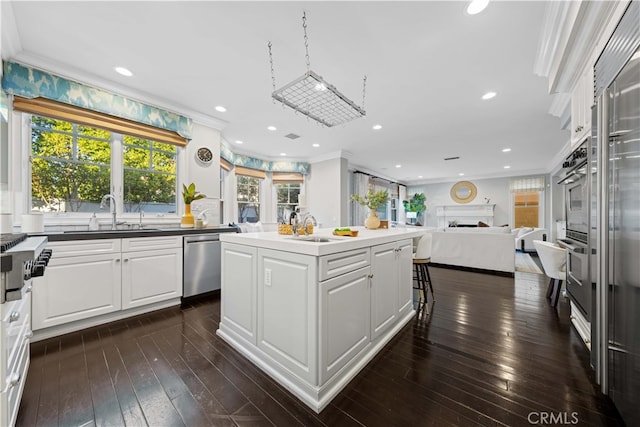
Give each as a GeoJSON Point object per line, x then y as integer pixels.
{"type": "Point", "coordinates": [239, 290]}
{"type": "Point", "coordinates": [83, 280]}
{"type": "Point", "coordinates": [581, 102]}
{"type": "Point", "coordinates": [287, 300]}
{"type": "Point", "coordinates": [390, 263]}
{"type": "Point", "coordinates": [345, 327]}
{"type": "Point", "coordinates": [90, 278]}
{"type": "Point", "coordinates": [312, 322]}
{"type": "Point", "coordinates": [151, 270]}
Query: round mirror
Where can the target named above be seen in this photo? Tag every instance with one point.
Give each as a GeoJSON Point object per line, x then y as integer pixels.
{"type": "Point", "coordinates": [463, 192]}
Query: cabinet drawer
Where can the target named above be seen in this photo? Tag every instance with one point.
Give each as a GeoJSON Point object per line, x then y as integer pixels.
{"type": "Point", "coordinates": [151, 243]}
{"type": "Point", "coordinates": [336, 264]}
{"type": "Point", "coordinates": [73, 248]}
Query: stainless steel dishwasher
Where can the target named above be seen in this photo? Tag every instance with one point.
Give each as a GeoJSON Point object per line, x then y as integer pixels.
{"type": "Point", "coordinates": [201, 264]}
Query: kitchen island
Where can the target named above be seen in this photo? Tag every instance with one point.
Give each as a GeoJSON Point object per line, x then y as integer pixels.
{"type": "Point", "coordinates": [313, 311]}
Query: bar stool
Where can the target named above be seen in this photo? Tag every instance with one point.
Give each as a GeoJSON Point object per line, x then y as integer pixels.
{"type": "Point", "coordinates": [421, 259]}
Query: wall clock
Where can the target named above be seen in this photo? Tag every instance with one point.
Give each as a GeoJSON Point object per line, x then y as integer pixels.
{"type": "Point", "coordinates": [204, 155]}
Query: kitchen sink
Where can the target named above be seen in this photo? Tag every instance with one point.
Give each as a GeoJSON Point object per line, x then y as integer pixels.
{"type": "Point", "coordinates": [313, 239]}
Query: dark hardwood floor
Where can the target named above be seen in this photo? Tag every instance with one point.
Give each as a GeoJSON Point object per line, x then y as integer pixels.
{"type": "Point", "coordinates": [492, 352]}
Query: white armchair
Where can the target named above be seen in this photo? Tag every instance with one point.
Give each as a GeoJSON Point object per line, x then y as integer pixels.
{"type": "Point", "coordinates": [525, 237]}
{"type": "Point", "coordinates": [554, 260]}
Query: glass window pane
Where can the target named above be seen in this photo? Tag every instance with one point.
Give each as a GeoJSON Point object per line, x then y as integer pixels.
{"type": "Point", "coordinates": [248, 212]}
{"type": "Point", "coordinates": [60, 181]}
{"type": "Point", "coordinates": [137, 158]}
{"type": "Point", "coordinates": [148, 191]}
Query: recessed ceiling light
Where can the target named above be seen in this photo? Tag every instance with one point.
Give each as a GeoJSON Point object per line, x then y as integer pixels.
{"type": "Point", "coordinates": [239, 142]}
{"type": "Point", "coordinates": [283, 154]}
{"type": "Point", "coordinates": [419, 176]}
{"type": "Point", "coordinates": [123, 71]}
{"type": "Point", "coordinates": [477, 6]}
{"type": "Point", "coordinates": [377, 127]}
{"type": "Point", "coordinates": [506, 150]}
{"type": "Point", "coordinates": [489, 95]}
{"type": "Point", "coordinates": [461, 174]}
{"type": "Point", "coordinates": [272, 128]}
{"type": "Point", "coordinates": [507, 167]}
{"type": "Point", "coordinates": [221, 108]}
{"type": "Point", "coordinates": [398, 166]}
{"type": "Point", "coordinates": [316, 145]}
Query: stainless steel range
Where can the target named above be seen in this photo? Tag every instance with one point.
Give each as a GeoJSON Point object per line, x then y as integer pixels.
{"type": "Point", "coordinates": [21, 258]}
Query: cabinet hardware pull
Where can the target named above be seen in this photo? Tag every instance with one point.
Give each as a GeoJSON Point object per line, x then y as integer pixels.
{"type": "Point", "coordinates": [14, 379]}
{"type": "Point", "coordinates": [118, 260]}
{"type": "Point", "coordinates": [15, 315]}
{"type": "Point", "coordinates": [29, 289]}
{"type": "Point", "coordinates": [126, 260]}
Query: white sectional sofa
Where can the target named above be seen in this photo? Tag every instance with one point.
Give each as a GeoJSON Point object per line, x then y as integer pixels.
{"type": "Point", "coordinates": [486, 248]}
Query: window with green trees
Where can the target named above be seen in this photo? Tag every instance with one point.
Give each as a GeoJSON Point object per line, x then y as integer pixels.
{"type": "Point", "coordinates": [248, 194]}
{"type": "Point", "coordinates": [287, 200]}
{"type": "Point", "coordinates": [72, 167]}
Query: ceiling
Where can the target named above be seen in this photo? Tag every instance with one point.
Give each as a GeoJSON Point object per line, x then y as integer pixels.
{"type": "Point", "coordinates": [427, 66]}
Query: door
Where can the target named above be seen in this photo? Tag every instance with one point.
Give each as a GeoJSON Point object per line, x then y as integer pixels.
{"type": "Point", "coordinates": [384, 293]}
{"type": "Point", "coordinates": [345, 315]}
{"type": "Point", "coordinates": [76, 288]}
{"type": "Point", "coordinates": [624, 241]}
{"type": "Point", "coordinates": [151, 276]}
{"type": "Point", "coordinates": [405, 276]}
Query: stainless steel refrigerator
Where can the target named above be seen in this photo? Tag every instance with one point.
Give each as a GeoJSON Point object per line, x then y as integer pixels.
{"type": "Point", "coordinates": [618, 249]}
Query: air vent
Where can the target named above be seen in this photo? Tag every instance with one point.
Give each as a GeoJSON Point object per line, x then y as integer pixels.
{"type": "Point", "coordinates": [292, 136]}
{"type": "Point", "coordinates": [452, 158]}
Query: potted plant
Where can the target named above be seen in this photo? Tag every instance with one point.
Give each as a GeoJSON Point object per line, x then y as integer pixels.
{"type": "Point", "coordinates": [415, 204]}
{"type": "Point", "coordinates": [189, 194]}
{"type": "Point", "coordinates": [373, 200]}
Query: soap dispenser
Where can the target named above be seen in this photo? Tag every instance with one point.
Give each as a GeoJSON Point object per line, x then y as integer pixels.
{"type": "Point", "coordinates": [93, 222]}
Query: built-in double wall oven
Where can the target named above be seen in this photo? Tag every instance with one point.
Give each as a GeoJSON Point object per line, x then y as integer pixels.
{"type": "Point", "coordinates": [577, 212]}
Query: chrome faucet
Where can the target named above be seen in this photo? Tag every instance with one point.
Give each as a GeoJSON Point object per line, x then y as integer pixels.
{"type": "Point", "coordinates": [303, 222]}
{"type": "Point", "coordinates": [113, 208]}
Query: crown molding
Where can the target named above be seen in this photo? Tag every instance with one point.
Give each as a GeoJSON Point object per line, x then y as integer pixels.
{"type": "Point", "coordinates": [73, 73]}
{"type": "Point", "coordinates": [561, 108]}
{"type": "Point", "coordinates": [583, 30]}
{"type": "Point", "coordinates": [340, 154]}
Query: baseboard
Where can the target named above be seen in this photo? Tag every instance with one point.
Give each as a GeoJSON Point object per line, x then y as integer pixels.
{"type": "Point", "coordinates": [473, 269]}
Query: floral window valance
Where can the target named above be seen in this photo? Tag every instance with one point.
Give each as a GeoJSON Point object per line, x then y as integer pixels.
{"type": "Point", "coordinates": [264, 165]}
{"type": "Point", "coordinates": [30, 82]}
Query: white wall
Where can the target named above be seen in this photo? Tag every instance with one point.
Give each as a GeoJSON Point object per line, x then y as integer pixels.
{"type": "Point", "coordinates": [206, 177]}
{"type": "Point", "coordinates": [327, 192]}
{"type": "Point", "coordinates": [496, 189]}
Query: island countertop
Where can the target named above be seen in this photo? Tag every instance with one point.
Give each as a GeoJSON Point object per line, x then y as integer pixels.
{"type": "Point", "coordinates": [335, 244]}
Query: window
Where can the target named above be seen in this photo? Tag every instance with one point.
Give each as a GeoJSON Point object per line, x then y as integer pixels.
{"type": "Point", "coordinates": [72, 168]}
{"type": "Point", "coordinates": [149, 175]}
{"type": "Point", "coordinates": [526, 209]}
{"type": "Point", "coordinates": [248, 197]}
{"type": "Point", "coordinates": [287, 196]}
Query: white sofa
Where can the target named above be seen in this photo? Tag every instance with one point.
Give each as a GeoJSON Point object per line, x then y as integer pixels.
{"type": "Point", "coordinates": [486, 248]}
{"type": "Point", "coordinates": [525, 237]}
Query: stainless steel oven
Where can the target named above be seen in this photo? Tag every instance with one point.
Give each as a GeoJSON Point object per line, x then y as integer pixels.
{"type": "Point", "coordinates": [577, 212]}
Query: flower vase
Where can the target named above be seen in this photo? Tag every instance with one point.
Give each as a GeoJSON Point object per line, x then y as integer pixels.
{"type": "Point", "coordinates": [372, 222]}
{"type": "Point", "coordinates": [187, 220]}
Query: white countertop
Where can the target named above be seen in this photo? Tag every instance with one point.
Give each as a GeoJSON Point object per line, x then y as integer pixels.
{"type": "Point", "coordinates": [273, 240]}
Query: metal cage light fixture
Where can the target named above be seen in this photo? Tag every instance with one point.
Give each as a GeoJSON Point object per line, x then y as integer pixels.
{"type": "Point", "coordinates": [312, 96]}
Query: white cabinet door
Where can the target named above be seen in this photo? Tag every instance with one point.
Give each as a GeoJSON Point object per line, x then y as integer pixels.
{"type": "Point", "coordinates": [151, 276]}
{"type": "Point", "coordinates": [287, 310]}
{"type": "Point", "coordinates": [239, 289]}
{"type": "Point", "coordinates": [404, 263]}
{"type": "Point", "coordinates": [384, 289]}
{"type": "Point", "coordinates": [76, 288]}
{"type": "Point", "coordinates": [345, 320]}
